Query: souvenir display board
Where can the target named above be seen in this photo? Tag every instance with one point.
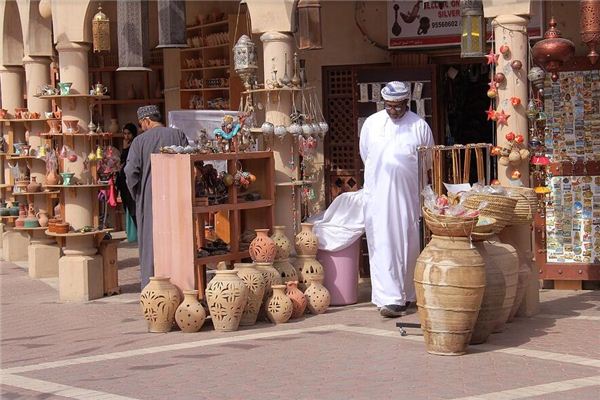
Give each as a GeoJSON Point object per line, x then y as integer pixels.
{"type": "Point", "coordinates": [567, 226]}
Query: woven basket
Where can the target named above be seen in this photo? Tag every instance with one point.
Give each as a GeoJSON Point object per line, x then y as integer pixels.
{"type": "Point", "coordinates": [527, 202]}
{"type": "Point", "coordinates": [443, 225]}
{"type": "Point", "coordinates": [484, 232]}
{"type": "Point", "coordinates": [499, 207]}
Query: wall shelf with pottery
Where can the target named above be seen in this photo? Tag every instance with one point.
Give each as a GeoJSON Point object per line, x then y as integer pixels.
{"type": "Point", "coordinates": [179, 240]}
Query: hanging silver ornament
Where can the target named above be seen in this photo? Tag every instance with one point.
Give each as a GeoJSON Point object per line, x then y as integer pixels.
{"type": "Point", "coordinates": [280, 131]}
{"type": "Point", "coordinates": [294, 128]}
{"type": "Point", "coordinates": [324, 127]}
{"type": "Point", "coordinates": [536, 76]}
{"type": "Point", "coordinates": [267, 128]}
{"type": "Point", "coordinates": [307, 130]}
{"type": "Point", "coordinates": [316, 128]}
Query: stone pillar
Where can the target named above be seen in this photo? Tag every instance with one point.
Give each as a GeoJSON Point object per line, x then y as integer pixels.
{"type": "Point", "coordinates": [44, 254]}
{"type": "Point", "coordinates": [516, 86]}
{"type": "Point", "coordinates": [80, 275]}
{"type": "Point", "coordinates": [277, 111]}
{"type": "Point", "coordinates": [37, 73]}
{"type": "Point", "coordinates": [11, 80]}
{"type": "Point", "coordinates": [14, 246]}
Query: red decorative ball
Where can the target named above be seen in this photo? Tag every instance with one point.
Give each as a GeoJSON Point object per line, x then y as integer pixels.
{"type": "Point", "coordinates": [504, 49]}
{"type": "Point", "coordinates": [499, 77]}
{"type": "Point", "coordinates": [516, 65]}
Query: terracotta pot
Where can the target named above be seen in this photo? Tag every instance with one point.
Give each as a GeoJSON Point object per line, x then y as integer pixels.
{"type": "Point", "coordinates": [55, 127]}
{"type": "Point", "coordinates": [190, 314]}
{"type": "Point", "coordinates": [34, 186]}
{"type": "Point", "coordinates": [255, 282]}
{"type": "Point", "coordinates": [493, 298]}
{"type": "Point", "coordinates": [286, 270]}
{"type": "Point", "coordinates": [308, 267]}
{"type": "Point", "coordinates": [262, 248]}
{"type": "Point", "coordinates": [508, 260]}
{"type": "Point", "coordinates": [522, 282]}
{"type": "Point", "coordinates": [306, 241]}
{"type": "Point", "coordinates": [449, 283]}
{"type": "Point", "coordinates": [159, 301]}
{"type": "Point", "coordinates": [271, 277]}
{"type": "Point", "coordinates": [317, 295]}
{"type": "Point", "coordinates": [283, 244]}
{"type": "Point", "coordinates": [52, 178]}
{"type": "Point", "coordinates": [42, 216]}
{"type": "Point", "coordinates": [279, 306]}
{"type": "Point", "coordinates": [226, 295]}
{"type": "Point", "coordinates": [299, 301]}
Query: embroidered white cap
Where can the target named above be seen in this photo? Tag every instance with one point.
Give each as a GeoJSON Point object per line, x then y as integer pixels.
{"type": "Point", "coordinates": [395, 91]}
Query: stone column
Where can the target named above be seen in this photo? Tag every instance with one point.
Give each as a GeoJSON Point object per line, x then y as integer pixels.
{"type": "Point", "coordinates": [37, 73]}
{"type": "Point", "coordinates": [277, 111]}
{"type": "Point", "coordinates": [516, 86]}
{"type": "Point", "coordinates": [11, 80]}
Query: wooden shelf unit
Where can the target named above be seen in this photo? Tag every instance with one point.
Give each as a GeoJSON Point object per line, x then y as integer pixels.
{"type": "Point", "coordinates": [195, 97]}
{"type": "Point", "coordinates": [179, 223]}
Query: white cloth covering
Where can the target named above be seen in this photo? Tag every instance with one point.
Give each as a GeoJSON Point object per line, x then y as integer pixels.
{"type": "Point", "coordinates": [342, 223]}
{"type": "Point", "coordinates": [388, 149]}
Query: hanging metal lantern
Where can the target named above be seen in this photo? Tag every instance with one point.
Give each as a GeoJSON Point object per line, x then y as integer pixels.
{"type": "Point", "coordinates": [472, 43]}
{"type": "Point", "coordinates": [536, 76]}
{"type": "Point", "coordinates": [132, 35]}
{"type": "Point", "coordinates": [171, 24]}
{"type": "Point", "coordinates": [309, 25]}
{"type": "Point", "coordinates": [551, 52]}
{"type": "Point", "coordinates": [590, 26]}
{"type": "Point", "coordinates": [100, 31]}
{"type": "Point", "coordinates": [245, 60]}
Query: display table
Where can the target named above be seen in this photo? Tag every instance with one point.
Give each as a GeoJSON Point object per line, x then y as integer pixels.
{"type": "Point", "coordinates": [43, 253]}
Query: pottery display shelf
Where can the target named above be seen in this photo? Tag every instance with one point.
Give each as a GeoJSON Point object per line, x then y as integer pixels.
{"type": "Point", "coordinates": [40, 193]}
{"type": "Point", "coordinates": [77, 186]}
{"type": "Point", "coordinates": [74, 234]}
{"type": "Point", "coordinates": [182, 234]}
{"type": "Point", "coordinates": [72, 98]}
{"type": "Point", "coordinates": [283, 89]}
{"type": "Point", "coordinates": [25, 120]}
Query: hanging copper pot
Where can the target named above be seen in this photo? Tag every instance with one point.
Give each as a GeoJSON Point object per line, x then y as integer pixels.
{"type": "Point", "coordinates": [552, 51]}
{"type": "Point", "coordinates": [590, 26]}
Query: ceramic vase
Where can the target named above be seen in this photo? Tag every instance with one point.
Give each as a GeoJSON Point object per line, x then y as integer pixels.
{"type": "Point", "coordinates": [159, 300]}
{"type": "Point", "coordinates": [34, 186]}
{"type": "Point", "coordinates": [271, 277]}
{"type": "Point", "coordinates": [306, 241]}
{"type": "Point", "coordinates": [20, 222]}
{"type": "Point", "coordinates": [52, 178]}
{"type": "Point", "coordinates": [286, 270]}
{"type": "Point", "coordinates": [42, 217]}
{"type": "Point", "coordinates": [283, 244]}
{"type": "Point", "coordinates": [308, 267]}
{"type": "Point", "coordinates": [226, 295]}
{"type": "Point", "coordinates": [255, 282]}
{"type": "Point", "coordinates": [279, 307]}
{"type": "Point", "coordinates": [318, 296]}
{"type": "Point", "coordinates": [262, 248]}
{"type": "Point", "coordinates": [190, 314]}
{"type": "Point", "coordinates": [298, 299]}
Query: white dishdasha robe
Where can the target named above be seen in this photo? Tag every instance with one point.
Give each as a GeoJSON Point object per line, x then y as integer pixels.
{"type": "Point", "coordinates": [388, 149]}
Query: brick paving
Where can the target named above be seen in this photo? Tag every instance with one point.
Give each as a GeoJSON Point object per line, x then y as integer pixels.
{"type": "Point", "coordinates": [347, 353]}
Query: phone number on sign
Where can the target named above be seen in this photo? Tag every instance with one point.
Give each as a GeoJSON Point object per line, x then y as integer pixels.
{"type": "Point", "coordinates": [444, 24]}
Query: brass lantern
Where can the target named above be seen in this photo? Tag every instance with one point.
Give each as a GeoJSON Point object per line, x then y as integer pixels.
{"type": "Point", "coordinates": [590, 27]}
{"type": "Point", "coordinates": [553, 51]}
{"type": "Point", "coordinates": [101, 31]}
{"type": "Point", "coordinates": [472, 35]}
{"type": "Point", "coordinates": [245, 60]}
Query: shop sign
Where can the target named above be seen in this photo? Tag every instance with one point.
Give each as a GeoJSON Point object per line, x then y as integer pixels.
{"type": "Point", "coordinates": [437, 23]}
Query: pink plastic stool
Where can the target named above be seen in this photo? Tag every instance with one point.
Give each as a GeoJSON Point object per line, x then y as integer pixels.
{"type": "Point", "coordinates": [341, 273]}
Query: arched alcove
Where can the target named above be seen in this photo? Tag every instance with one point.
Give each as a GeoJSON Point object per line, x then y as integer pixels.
{"type": "Point", "coordinates": [11, 50]}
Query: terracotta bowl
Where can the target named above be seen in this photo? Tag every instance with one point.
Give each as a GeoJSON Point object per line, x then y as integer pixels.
{"type": "Point", "coordinates": [61, 227]}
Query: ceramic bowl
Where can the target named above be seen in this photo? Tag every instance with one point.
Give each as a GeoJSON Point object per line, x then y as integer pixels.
{"type": "Point", "coordinates": [67, 177]}
{"type": "Point", "coordinates": [61, 227]}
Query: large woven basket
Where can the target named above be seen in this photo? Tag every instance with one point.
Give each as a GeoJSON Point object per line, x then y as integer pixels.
{"type": "Point", "coordinates": [527, 202]}
{"type": "Point", "coordinates": [443, 225]}
{"type": "Point", "coordinates": [499, 207]}
{"type": "Point", "coordinates": [484, 229]}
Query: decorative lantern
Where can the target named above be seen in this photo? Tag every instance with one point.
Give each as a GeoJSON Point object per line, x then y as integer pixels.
{"type": "Point", "coordinates": [171, 24]}
{"type": "Point", "coordinates": [132, 33]}
{"type": "Point", "coordinates": [309, 25]}
{"type": "Point", "coordinates": [245, 60]}
{"type": "Point", "coordinates": [536, 76]}
{"type": "Point", "coordinates": [590, 26]}
{"type": "Point", "coordinates": [100, 31]}
{"type": "Point", "coordinates": [552, 51]}
{"type": "Point", "coordinates": [472, 28]}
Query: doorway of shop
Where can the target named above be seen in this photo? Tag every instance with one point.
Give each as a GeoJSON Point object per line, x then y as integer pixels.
{"type": "Point", "coordinates": [464, 89]}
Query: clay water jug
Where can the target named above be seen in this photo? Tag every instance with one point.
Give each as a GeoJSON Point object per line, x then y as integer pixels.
{"type": "Point", "coordinates": [262, 248]}
{"type": "Point", "coordinates": [317, 295]}
{"type": "Point", "coordinates": [226, 295]}
{"type": "Point", "coordinates": [52, 177]}
{"type": "Point", "coordinates": [42, 216]}
{"type": "Point", "coordinates": [308, 267]}
{"type": "Point", "coordinates": [299, 301]}
{"type": "Point", "coordinates": [255, 282]}
{"type": "Point", "coordinates": [190, 314]}
{"type": "Point", "coordinates": [279, 306]}
{"type": "Point", "coordinates": [306, 241]}
{"type": "Point", "coordinates": [283, 244]}
{"type": "Point", "coordinates": [159, 301]}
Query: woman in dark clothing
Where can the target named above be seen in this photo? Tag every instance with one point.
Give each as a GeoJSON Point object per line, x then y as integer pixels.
{"type": "Point", "coordinates": [129, 132]}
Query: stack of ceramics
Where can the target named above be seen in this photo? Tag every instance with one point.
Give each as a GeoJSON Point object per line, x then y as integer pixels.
{"type": "Point", "coordinates": [282, 255]}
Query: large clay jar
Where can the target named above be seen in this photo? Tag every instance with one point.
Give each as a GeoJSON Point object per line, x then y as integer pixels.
{"type": "Point", "coordinates": [279, 306]}
{"type": "Point", "coordinates": [226, 295]}
{"type": "Point", "coordinates": [306, 241]}
{"type": "Point", "coordinates": [449, 284]}
{"type": "Point", "coordinates": [493, 298]}
{"type": "Point", "coordinates": [507, 260]}
{"type": "Point", "coordinates": [159, 300]}
{"type": "Point", "coordinates": [299, 301]}
{"type": "Point", "coordinates": [317, 295]}
{"type": "Point", "coordinates": [271, 277]}
{"type": "Point", "coordinates": [283, 244]}
{"type": "Point", "coordinates": [190, 314]}
{"type": "Point", "coordinates": [286, 270]}
{"type": "Point", "coordinates": [262, 248]}
{"type": "Point", "coordinates": [255, 282]}
{"type": "Point", "coordinates": [52, 178]}
{"type": "Point", "coordinates": [307, 267]}
{"type": "Point", "coordinates": [34, 186]}
{"type": "Point", "coordinates": [522, 282]}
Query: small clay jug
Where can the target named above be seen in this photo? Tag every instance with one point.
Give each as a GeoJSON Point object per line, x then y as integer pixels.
{"type": "Point", "coordinates": [298, 299]}
{"type": "Point", "coordinates": [262, 248]}
{"type": "Point", "coordinates": [52, 178]}
{"type": "Point", "coordinates": [317, 295]}
{"type": "Point", "coordinates": [42, 216]}
{"type": "Point", "coordinates": [190, 314]}
{"type": "Point", "coordinates": [159, 301]}
{"type": "Point", "coordinates": [20, 222]}
{"type": "Point", "coordinates": [34, 186]}
{"type": "Point", "coordinates": [279, 307]}
{"type": "Point", "coordinates": [306, 242]}
{"type": "Point", "coordinates": [283, 244]}
{"type": "Point", "coordinates": [255, 282]}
